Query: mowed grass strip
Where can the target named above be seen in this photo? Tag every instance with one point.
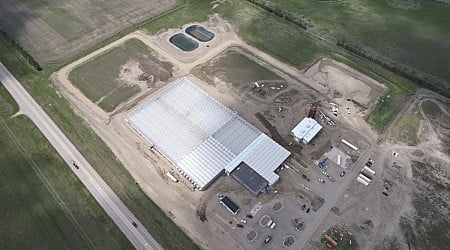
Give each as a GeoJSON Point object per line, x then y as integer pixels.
{"type": "Point", "coordinates": [96, 152]}
{"type": "Point", "coordinates": [43, 205]}
{"type": "Point", "coordinates": [98, 78]}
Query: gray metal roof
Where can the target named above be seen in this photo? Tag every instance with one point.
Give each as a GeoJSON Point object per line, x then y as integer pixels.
{"type": "Point", "coordinates": [201, 137]}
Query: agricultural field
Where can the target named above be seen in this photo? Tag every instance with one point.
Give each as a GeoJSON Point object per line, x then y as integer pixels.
{"type": "Point", "coordinates": [272, 34]}
{"type": "Point", "coordinates": [385, 27]}
{"type": "Point", "coordinates": [115, 76]}
{"type": "Point", "coordinates": [53, 30]}
{"type": "Point", "coordinates": [43, 203]}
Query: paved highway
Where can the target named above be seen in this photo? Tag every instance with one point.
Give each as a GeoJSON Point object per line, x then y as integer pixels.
{"type": "Point", "coordinates": [107, 199]}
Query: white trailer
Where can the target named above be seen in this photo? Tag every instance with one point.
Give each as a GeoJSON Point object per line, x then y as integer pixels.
{"type": "Point", "coordinates": [364, 178]}
{"type": "Point", "coordinates": [369, 170]}
{"type": "Point", "coordinates": [171, 177]}
{"type": "Point", "coordinates": [362, 181]}
{"type": "Point", "coordinates": [349, 144]}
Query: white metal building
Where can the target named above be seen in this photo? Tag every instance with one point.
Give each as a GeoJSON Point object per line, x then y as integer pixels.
{"type": "Point", "coordinates": [306, 130]}
{"type": "Point", "coordinates": [201, 137]}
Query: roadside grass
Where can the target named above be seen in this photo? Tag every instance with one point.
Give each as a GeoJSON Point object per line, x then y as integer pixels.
{"type": "Point", "coordinates": [431, 109]}
{"type": "Point", "coordinates": [95, 151]}
{"type": "Point", "coordinates": [98, 78]}
{"type": "Point", "coordinates": [385, 26]}
{"type": "Point", "coordinates": [237, 68]}
{"type": "Point", "coordinates": [407, 128]}
{"type": "Point", "coordinates": [43, 203]}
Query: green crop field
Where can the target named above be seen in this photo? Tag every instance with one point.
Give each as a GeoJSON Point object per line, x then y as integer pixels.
{"type": "Point", "coordinates": [98, 78]}
{"type": "Point", "coordinates": [96, 152]}
{"type": "Point", "coordinates": [54, 30]}
{"type": "Point", "coordinates": [272, 34]}
{"type": "Point", "coordinates": [43, 204]}
{"type": "Point", "coordinates": [414, 32]}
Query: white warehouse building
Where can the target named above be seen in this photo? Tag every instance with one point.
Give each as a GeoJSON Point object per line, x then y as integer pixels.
{"type": "Point", "coordinates": [306, 130]}
{"type": "Point", "coordinates": [201, 137]}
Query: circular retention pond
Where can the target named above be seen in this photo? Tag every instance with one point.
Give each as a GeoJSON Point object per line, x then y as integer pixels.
{"type": "Point", "coordinates": [264, 220]}
{"type": "Point", "coordinates": [277, 206]}
{"type": "Point", "coordinates": [251, 236]}
{"type": "Point", "coordinates": [200, 33]}
{"type": "Point", "coordinates": [288, 240]}
{"type": "Point", "coordinates": [183, 42]}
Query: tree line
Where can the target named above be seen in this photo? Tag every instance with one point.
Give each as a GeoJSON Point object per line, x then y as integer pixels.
{"type": "Point", "coordinates": [423, 79]}
{"type": "Point", "coordinates": [13, 45]}
{"type": "Point", "coordinates": [277, 10]}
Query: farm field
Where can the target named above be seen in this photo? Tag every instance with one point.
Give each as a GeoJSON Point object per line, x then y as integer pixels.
{"type": "Point", "coordinates": [386, 27]}
{"type": "Point", "coordinates": [113, 77]}
{"type": "Point", "coordinates": [95, 151]}
{"type": "Point", "coordinates": [43, 203]}
{"type": "Point", "coordinates": [53, 30]}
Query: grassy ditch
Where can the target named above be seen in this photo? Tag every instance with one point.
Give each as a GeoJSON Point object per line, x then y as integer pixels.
{"type": "Point", "coordinates": [95, 151]}
{"type": "Point", "coordinates": [43, 203]}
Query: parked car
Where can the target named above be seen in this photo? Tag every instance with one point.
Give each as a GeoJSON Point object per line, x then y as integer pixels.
{"type": "Point", "coordinates": [239, 225]}
{"type": "Point", "coordinates": [321, 180]}
{"type": "Point", "coordinates": [135, 224]}
{"type": "Point", "coordinates": [342, 174]}
{"type": "Point", "coordinates": [243, 221]}
{"type": "Point", "coordinates": [307, 210]}
{"type": "Point", "coordinates": [303, 207]}
{"type": "Point", "coordinates": [273, 225]}
{"type": "Point", "coordinates": [249, 216]}
{"type": "Point", "coordinates": [267, 240]}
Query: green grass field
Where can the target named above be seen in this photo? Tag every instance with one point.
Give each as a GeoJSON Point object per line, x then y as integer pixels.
{"type": "Point", "coordinates": [96, 152]}
{"type": "Point", "coordinates": [98, 78]}
{"type": "Point", "coordinates": [407, 128]}
{"type": "Point", "coordinates": [272, 34]}
{"type": "Point", "coordinates": [413, 32]}
{"type": "Point", "coordinates": [236, 68]}
{"type": "Point", "coordinates": [43, 205]}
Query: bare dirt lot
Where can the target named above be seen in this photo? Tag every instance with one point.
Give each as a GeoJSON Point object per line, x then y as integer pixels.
{"type": "Point", "coordinates": [283, 96]}
{"type": "Point", "coordinates": [53, 30]}
{"type": "Point", "coordinates": [416, 180]}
